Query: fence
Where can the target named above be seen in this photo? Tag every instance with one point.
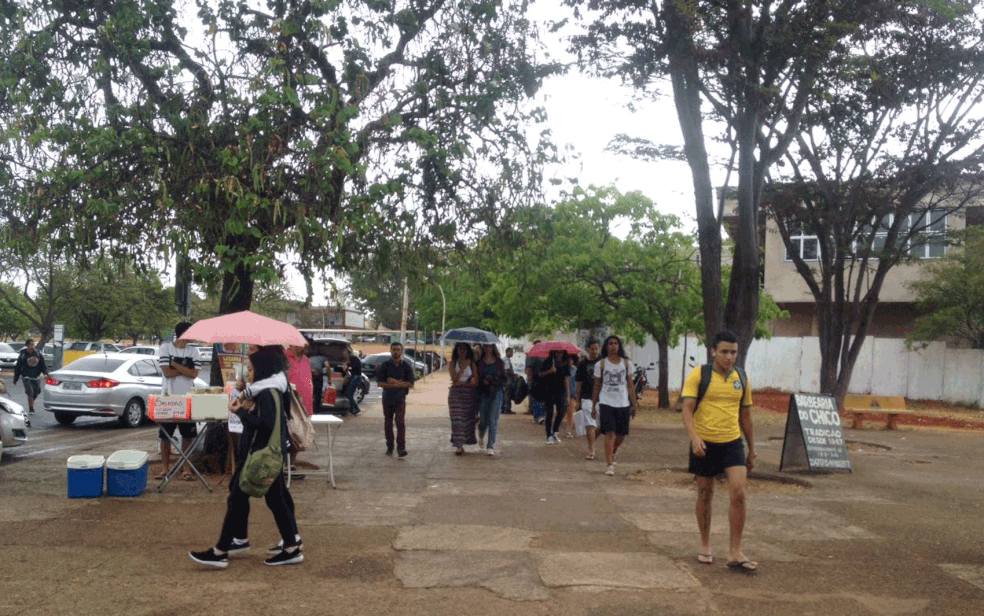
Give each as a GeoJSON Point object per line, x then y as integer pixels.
{"type": "Point", "coordinates": [885, 367]}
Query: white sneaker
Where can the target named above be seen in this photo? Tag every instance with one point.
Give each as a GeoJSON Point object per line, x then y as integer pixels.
{"type": "Point", "coordinates": [550, 440]}
{"type": "Point", "coordinates": [556, 437]}
{"type": "Point", "coordinates": [610, 469]}
{"type": "Point", "coordinates": [490, 452]}
{"type": "Point", "coordinates": [481, 443]}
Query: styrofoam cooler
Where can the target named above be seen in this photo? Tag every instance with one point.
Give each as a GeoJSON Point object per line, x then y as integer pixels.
{"type": "Point", "coordinates": [126, 473]}
{"type": "Point", "coordinates": [85, 476]}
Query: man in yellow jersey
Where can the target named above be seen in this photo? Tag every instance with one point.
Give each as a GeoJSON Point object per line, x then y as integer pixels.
{"type": "Point", "coordinates": [717, 410]}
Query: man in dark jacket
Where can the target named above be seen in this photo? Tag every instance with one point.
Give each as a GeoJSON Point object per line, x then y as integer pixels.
{"type": "Point", "coordinates": [30, 366]}
{"type": "Point", "coordinates": [396, 379]}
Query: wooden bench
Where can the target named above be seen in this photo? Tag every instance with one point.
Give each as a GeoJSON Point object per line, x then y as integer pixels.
{"type": "Point", "coordinates": [890, 406]}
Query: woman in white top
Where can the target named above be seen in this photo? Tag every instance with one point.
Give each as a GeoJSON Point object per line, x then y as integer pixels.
{"type": "Point", "coordinates": [462, 397]}
{"type": "Point", "coordinates": [614, 401]}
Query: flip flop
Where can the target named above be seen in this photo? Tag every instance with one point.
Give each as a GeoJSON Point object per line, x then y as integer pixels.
{"type": "Point", "coordinates": [590, 456]}
{"type": "Point", "coordinates": [747, 567]}
{"type": "Point", "coordinates": [705, 559]}
{"type": "Point", "coordinates": [187, 477]}
{"type": "Point", "coordinates": [161, 475]}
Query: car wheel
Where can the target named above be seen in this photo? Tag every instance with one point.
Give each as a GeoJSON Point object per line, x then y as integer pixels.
{"type": "Point", "coordinates": [133, 413]}
{"type": "Point", "coordinates": [361, 391]}
{"type": "Point", "coordinates": [65, 419]}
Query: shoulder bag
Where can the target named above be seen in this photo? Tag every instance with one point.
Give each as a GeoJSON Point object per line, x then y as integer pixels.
{"type": "Point", "coordinates": [263, 466]}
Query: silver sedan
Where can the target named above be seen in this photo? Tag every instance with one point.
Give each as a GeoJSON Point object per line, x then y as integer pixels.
{"type": "Point", "coordinates": [13, 424]}
{"type": "Point", "coordinates": [104, 385]}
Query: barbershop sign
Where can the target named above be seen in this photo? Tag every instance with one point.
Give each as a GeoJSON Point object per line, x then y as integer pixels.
{"type": "Point", "coordinates": [814, 438]}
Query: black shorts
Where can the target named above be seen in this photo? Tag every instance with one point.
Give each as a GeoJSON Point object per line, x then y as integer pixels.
{"type": "Point", "coordinates": [614, 419]}
{"type": "Point", "coordinates": [188, 429]}
{"type": "Point", "coordinates": [717, 457]}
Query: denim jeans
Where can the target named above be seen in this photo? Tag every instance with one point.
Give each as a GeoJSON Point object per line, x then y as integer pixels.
{"type": "Point", "coordinates": [489, 407]}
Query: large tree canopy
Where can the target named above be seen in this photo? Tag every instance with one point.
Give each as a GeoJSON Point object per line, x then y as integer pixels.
{"type": "Point", "coordinates": [745, 69]}
{"type": "Point", "coordinates": [243, 131]}
{"type": "Point", "coordinates": [890, 149]}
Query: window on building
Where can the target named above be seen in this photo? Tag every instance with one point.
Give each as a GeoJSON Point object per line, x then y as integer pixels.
{"type": "Point", "coordinates": [928, 243]}
{"type": "Point", "coordinates": [805, 244]}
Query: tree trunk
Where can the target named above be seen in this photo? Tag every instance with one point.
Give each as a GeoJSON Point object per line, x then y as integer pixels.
{"type": "Point", "coordinates": [237, 295]}
{"type": "Point", "coordinates": [741, 313]}
{"type": "Point", "coordinates": [664, 372]}
{"type": "Point", "coordinates": [681, 55]}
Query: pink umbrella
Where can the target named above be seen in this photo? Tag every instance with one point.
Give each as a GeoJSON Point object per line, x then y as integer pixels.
{"type": "Point", "coordinates": [543, 349]}
{"type": "Point", "coordinates": [245, 327]}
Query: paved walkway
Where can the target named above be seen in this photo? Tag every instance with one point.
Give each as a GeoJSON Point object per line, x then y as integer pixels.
{"type": "Point", "coordinates": [536, 530]}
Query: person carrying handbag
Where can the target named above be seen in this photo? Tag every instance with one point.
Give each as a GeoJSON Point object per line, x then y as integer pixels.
{"type": "Point", "coordinates": [261, 409]}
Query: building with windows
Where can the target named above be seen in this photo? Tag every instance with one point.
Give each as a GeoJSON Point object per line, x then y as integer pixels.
{"type": "Point", "coordinates": [895, 313]}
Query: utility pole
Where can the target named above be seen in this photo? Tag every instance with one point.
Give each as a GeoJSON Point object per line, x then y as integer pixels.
{"type": "Point", "coordinates": [406, 307]}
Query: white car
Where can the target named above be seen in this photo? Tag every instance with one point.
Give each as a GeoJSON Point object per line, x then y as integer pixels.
{"type": "Point", "coordinates": [205, 352]}
{"type": "Point", "coordinates": [142, 350]}
{"type": "Point", "coordinates": [13, 424]}
{"type": "Point", "coordinates": [8, 356]}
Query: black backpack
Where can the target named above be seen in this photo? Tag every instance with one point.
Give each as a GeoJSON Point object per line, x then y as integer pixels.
{"type": "Point", "coordinates": [705, 382]}
{"type": "Point", "coordinates": [519, 390]}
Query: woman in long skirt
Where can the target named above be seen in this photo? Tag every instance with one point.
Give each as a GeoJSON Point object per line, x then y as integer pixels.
{"type": "Point", "coordinates": [462, 397]}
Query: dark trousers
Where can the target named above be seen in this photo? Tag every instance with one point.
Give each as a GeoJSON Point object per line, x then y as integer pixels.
{"type": "Point", "coordinates": [350, 389]}
{"type": "Point", "coordinates": [319, 382]}
{"type": "Point", "coordinates": [236, 522]}
{"type": "Point", "coordinates": [396, 412]}
{"type": "Point", "coordinates": [507, 395]}
{"type": "Point", "coordinates": [558, 403]}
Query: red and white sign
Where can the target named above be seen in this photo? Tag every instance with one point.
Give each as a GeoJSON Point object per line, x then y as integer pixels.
{"type": "Point", "coordinates": [169, 408]}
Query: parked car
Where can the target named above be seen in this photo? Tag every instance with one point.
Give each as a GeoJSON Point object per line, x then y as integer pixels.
{"type": "Point", "coordinates": [421, 358]}
{"type": "Point", "coordinates": [105, 385]}
{"type": "Point", "coordinates": [17, 346]}
{"type": "Point", "coordinates": [371, 364]}
{"type": "Point", "coordinates": [13, 424]}
{"type": "Point", "coordinates": [93, 347]}
{"type": "Point", "coordinates": [141, 349]}
{"type": "Point", "coordinates": [337, 351]}
{"type": "Point", "coordinates": [8, 356]}
{"type": "Point", "coordinates": [205, 352]}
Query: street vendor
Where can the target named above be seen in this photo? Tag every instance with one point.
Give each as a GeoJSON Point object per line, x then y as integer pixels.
{"type": "Point", "coordinates": [180, 363]}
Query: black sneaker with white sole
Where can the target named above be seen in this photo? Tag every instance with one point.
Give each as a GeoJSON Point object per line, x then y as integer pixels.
{"type": "Point", "coordinates": [286, 558]}
{"type": "Point", "coordinates": [280, 546]}
{"type": "Point", "coordinates": [238, 545]}
{"type": "Point", "coordinates": [210, 558]}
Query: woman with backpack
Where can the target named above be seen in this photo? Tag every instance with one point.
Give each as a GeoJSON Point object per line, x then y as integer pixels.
{"type": "Point", "coordinates": [491, 380]}
{"type": "Point", "coordinates": [462, 397]}
{"type": "Point", "coordinates": [614, 400]}
{"type": "Point", "coordinates": [263, 397]}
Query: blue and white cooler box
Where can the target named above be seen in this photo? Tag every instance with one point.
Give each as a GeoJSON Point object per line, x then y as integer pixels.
{"type": "Point", "coordinates": [85, 476]}
{"type": "Point", "coordinates": [126, 473]}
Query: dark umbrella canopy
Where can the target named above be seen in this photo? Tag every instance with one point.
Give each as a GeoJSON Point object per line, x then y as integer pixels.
{"type": "Point", "coordinates": [469, 334]}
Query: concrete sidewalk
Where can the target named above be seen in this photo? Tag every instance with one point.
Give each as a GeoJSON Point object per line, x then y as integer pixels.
{"type": "Point", "coordinates": [535, 530]}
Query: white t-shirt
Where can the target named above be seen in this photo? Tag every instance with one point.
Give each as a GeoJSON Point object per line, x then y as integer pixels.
{"type": "Point", "coordinates": [507, 363]}
{"type": "Point", "coordinates": [614, 389]}
{"type": "Point", "coordinates": [181, 384]}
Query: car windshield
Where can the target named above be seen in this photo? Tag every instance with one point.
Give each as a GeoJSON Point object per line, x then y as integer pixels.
{"type": "Point", "coordinates": [95, 363]}
{"type": "Point", "coordinates": [6, 348]}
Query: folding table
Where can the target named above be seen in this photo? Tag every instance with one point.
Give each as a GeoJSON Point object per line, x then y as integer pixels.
{"type": "Point", "coordinates": [331, 422]}
{"type": "Point", "coordinates": [184, 457]}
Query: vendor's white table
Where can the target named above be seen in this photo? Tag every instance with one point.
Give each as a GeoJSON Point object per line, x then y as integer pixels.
{"type": "Point", "coordinates": [331, 423]}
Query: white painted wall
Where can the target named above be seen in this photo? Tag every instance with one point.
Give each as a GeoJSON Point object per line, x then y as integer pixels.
{"type": "Point", "coordinates": [885, 367]}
